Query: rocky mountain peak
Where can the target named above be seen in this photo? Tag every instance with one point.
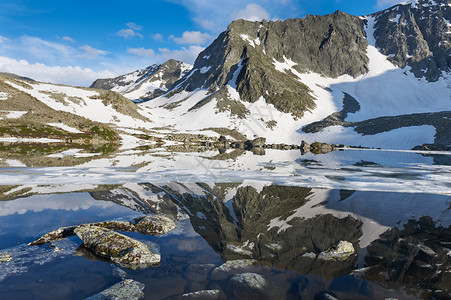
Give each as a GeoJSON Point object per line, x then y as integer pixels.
{"type": "Point", "coordinates": [416, 34]}
{"type": "Point", "coordinates": [259, 59]}
{"type": "Point", "coordinates": [147, 83]}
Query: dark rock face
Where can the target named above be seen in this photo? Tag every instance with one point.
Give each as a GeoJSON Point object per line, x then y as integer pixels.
{"type": "Point", "coordinates": [246, 53]}
{"type": "Point", "coordinates": [417, 255]}
{"type": "Point", "coordinates": [165, 74]}
{"type": "Point", "coordinates": [416, 36]}
{"type": "Point", "coordinates": [256, 226]}
{"type": "Point", "coordinates": [122, 81]}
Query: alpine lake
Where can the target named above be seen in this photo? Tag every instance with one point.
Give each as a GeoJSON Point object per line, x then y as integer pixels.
{"type": "Point", "coordinates": [272, 224]}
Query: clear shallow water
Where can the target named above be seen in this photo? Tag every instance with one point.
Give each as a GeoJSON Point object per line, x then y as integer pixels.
{"type": "Point", "coordinates": [281, 210]}
{"type": "Point", "coordinates": [283, 228]}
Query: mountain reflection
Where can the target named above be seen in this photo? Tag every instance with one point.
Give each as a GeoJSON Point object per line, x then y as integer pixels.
{"type": "Point", "coordinates": [290, 228]}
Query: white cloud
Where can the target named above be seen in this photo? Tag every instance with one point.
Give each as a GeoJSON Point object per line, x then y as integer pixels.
{"type": "Point", "coordinates": [387, 3]}
{"type": "Point", "coordinates": [158, 37]}
{"type": "Point", "coordinates": [205, 23]}
{"type": "Point", "coordinates": [3, 39]}
{"type": "Point", "coordinates": [141, 52]}
{"type": "Point", "coordinates": [128, 33]}
{"type": "Point", "coordinates": [134, 26]}
{"type": "Point", "coordinates": [42, 49]}
{"type": "Point", "coordinates": [252, 12]}
{"type": "Point", "coordinates": [215, 16]}
{"type": "Point", "coordinates": [131, 31]}
{"type": "Point", "coordinates": [187, 55]}
{"type": "Point", "coordinates": [91, 53]}
{"type": "Point", "coordinates": [68, 39]}
{"type": "Point", "coordinates": [73, 75]}
{"type": "Point", "coordinates": [193, 38]}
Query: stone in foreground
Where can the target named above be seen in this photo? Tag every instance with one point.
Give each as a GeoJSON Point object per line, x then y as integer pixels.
{"type": "Point", "coordinates": [4, 257]}
{"type": "Point", "coordinates": [155, 225]}
{"type": "Point", "coordinates": [341, 251]}
{"type": "Point", "coordinates": [120, 249]}
{"type": "Point", "coordinates": [128, 289]}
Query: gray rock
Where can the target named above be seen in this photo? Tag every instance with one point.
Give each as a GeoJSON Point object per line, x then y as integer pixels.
{"type": "Point", "coordinates": [155, 225]}
{"type": "Point", "coordinates": [65, 232]}
{"type": "Point", "coordinates": [251, 280]}
{"type": "Point", "coordinates": [249, 286]}
{"type": "Point", "coordinates": [341, 251]}
{"type": "Point", "coordinates": [232, 267]}
{"type": "Point", "coordinates": [127, 289]}
{"type": "Point", "coordinates": [119, 248]}
{"type": "Point", "coordinates": [55, 235]}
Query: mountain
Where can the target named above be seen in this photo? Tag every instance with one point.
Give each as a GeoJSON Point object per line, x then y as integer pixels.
{"type": "Point", "coordinates": [381, 80]}
{"type": "Point", "coordinates": [376, 81]}
{"type": "Point", "coordinates": [147, 83]}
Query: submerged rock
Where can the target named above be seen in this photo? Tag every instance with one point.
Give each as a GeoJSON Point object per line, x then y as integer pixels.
{"type": "Point", "coordinates": [204, 294]}
{"type": "Point", "coordinates": [119, 248]}
{"type": "Point", "coordinates": [232, 267]}
{"type": "Point", "coordinates": [155, 225]}
{"type": "Point", "coordinates": [5, 256]}
{"type": "Point", "coordinates": [55, 235]}
{"type": "Point", "coordinates": [341, 251]}
{"type": "Point", "coordinates": [250, 280]}
{"type": "Point", "coordinates": [127, 289]}
{"type": "Point", "coordinates": [249, 286]}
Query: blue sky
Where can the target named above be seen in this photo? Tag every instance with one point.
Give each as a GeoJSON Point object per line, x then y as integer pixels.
{"type": "Point", "coordinates": [75, 42]}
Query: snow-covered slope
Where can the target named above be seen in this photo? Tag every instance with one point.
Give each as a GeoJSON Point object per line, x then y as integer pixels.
{"type": "Point", "coordinates": [68, 109]}
{"type": "Point", "coordinates": [146, 83]}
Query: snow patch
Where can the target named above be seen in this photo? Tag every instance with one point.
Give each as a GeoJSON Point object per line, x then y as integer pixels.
{"type": "Point", "coordinates": [4, 96]}
{"type": "Point", "coordinates": [65, 127]}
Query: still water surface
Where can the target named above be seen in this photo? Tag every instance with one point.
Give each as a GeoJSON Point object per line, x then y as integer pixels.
{"type": "Point", "coordinates": [269, 218]}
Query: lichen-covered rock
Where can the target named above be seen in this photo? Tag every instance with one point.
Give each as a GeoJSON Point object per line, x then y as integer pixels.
{"type": "Point", "coordinates": [65, 232]}
{"type": "Point", "coordinates": [128, 289]}
{"type": "Point", "coordinates": [204, 294]}
{"type": "Point", "coordinates": [5, 256]}
{"type": "Point", "coordinates": [116, 225]}
{"type": "Point", "coordinates": [155, 225]}
{"type": "Point", "coordinates": [55, 235]}
{"type": "Point", "coordinates": [119, 248]}
{"type": "Point", "coordinates": [341, 251]}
